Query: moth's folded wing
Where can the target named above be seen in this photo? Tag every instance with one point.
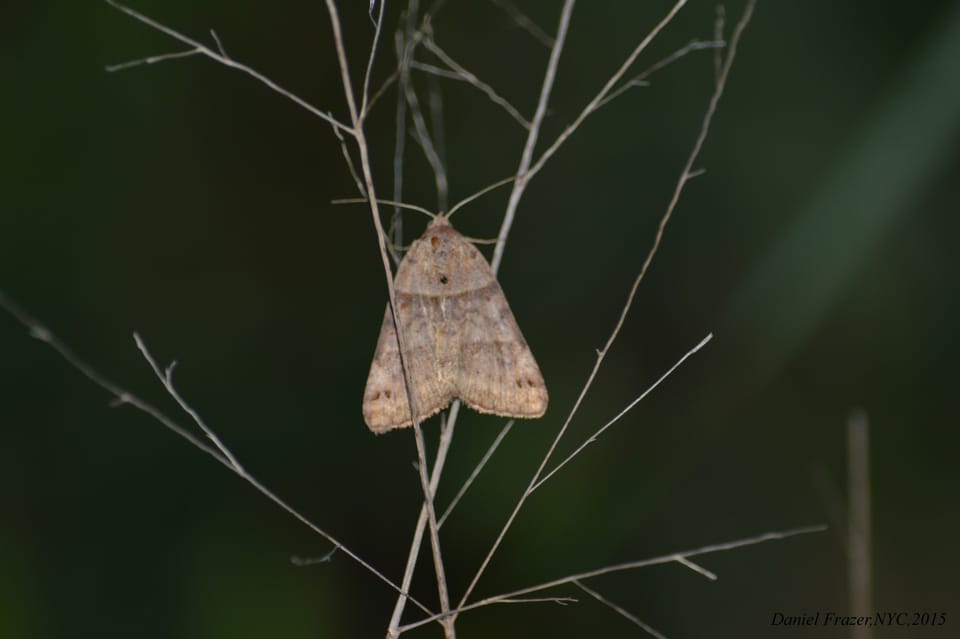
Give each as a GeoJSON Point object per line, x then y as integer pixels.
{"type": "Point", "coordinates": [497, 372]}
{"type": "Point", "coordinates": [385, 404]}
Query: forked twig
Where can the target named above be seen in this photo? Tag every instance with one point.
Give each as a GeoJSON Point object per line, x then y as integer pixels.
{"type": "Point", "coordinates": [524, 22]}
{"type": "Point", "coordinates": [678, 189]}
{"type": "Point", "coordinates": [365, 165]}
{"type": "Point", "coordinates": [630, 565]}
{"type": "Point", "coordinates": [618, 416]}
{"type": "Point", "coordinates": [460, 73]}
{"type": "Point", "coordinates": [219, 452]}
{"type": "Point", "coordinates": [520, 184]}
{"type": "Point", "coordinates": [223, 59]}
{"type": "Point", "coordinates": [640, 78]}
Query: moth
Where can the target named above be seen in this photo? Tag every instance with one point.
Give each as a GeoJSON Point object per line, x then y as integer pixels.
{"type": "Point", "coordinates": [462, 341]}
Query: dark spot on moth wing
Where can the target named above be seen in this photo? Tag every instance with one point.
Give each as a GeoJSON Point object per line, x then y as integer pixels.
{"type": "Point", "coordinates": [443, 279]}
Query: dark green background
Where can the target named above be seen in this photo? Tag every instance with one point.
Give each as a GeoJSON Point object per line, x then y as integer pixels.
{"type": "Point", "coordinates": [189, 203]}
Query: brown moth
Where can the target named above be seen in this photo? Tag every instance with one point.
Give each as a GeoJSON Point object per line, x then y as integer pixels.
{"type": "Point", "coordinates": [461, 339]}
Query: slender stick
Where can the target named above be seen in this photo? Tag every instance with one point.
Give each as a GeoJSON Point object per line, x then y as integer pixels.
{"type": "Point", "coordinates": [618, 609]}
{"type": "Point", "coordinates": [462, 74]}
{"type": "Point", "coordinates": [618, 416]}
{"type": "Point", "coordinates": [218, 452]}
{"type": "Point", "coordinates": [631, 565]}
{"type": "Point", "coordinates": [858, 527]}
{"type": "Point", "coordinates": [476, 471]}
{"type": "Point", "coordinates": [533, 133]}
{"type": "Point", "coordinates": [595, 103]}
{"type": "Point", "coordinates": [365, 165]}
{"type": "Point", "coordinates": [678, 189]}
{"type": "Point", "coordinates": [446, 438]}
{"type": "Point", "coordinates": [226, 61]}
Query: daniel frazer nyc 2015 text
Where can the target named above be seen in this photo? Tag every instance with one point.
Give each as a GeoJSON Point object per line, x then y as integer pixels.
{"type": "Point", "coordinates": [877, 619]}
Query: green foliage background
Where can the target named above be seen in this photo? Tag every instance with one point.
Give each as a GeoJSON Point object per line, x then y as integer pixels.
{"type": "Point", "coordinates": [189, 203]}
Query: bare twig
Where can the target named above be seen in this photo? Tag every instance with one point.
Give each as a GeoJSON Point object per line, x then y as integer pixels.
{"type": "Point", "coordinates": [402, 205]}
{"type": "Point", "coordinates": [563, 601]}
{"type": "Point", "coordinates": [365, 92]}
{"type": "Point", "coordinates": [619, 415]}
{"type": "Point", "coordinates": [435, 70]}
{"type": "Point", "coordinates": [153, 59]}
{"type": "Point", "coordinates": [859, 567]}
{"type": "Point", "coordinates": [631, 565]}
{"type": "Point", "coordinates": [525, 23]}
{"type": "Point", "coordinates": [483, 191]}
{"type": "Point", "coordinates": [219, 452]}
{"type": "Point", "coordinates": [476, 471]}
{"type": "Point", "coordinates": [302, 562]}
{"type": "Point", "coordinates": [594, 104]}
{"type": "Point", "coordinates": [229, 62]}
{"type": "Point", "coordinates": [349, 161]}
{"type": "Point", "coordinates": [526, 156]}
{"type": "Point", "coordinates": [360, 135]}
{"type": "Point", "coordinates": [166, 378]}
{"type": "Point", "coordinates": [618, 609]}
{"type": "Point", "coordinates": [641, 78]}
{"type": "Point", "coordinates": [422, 134]}
{"type": "Point", "coordinates": [681, 182]}
{"type": "Point", "coordinates": [446, 439]}
{"type": "Point", "coordinates": [719, 26]}
{"type": "Point", "coordinates": [697, 568]}
{"type": "Point", "coordinates": [461, 73]}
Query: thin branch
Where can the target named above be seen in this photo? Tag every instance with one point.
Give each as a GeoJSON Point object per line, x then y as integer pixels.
{"type": "Point", "coordinates": [153, 59]}
{"type": "Point", "coordinates": [476, 471]}
{"type": "Point", "coordinates": [515, 194]}
{"type": "Point", "coordinates": [229, 62]}
{"type": "Point", "coordinates": [594, 104]}
{"type": "Point", "coordinates": [632, 565]}
{"type": "Point", "coordinates": [483, 191]}
{"type": "Point", "coordinates": [349, 160]}
{"type": "Point", "coordinates": [391, 79]}
{"type": "Point", "coordinates": [422, 134]}
{"type": "Point", "coordinates": [435, 102]}
{"type": "Point", "coordinates": [462, 74]}
{"type": "Point", "coordinates": [123, 396]}
{"type": "Point", "coordinates": [719, 26]}
{"type": "Point", "coordinates": [619, 415]}
{"type": "Point", "coordinates": [681, 182]}
{"type": "Point", "coordinates": [166, 378]}
{"type": "Point", "coordinates": [563, 601]}
{"type": "Point", "coordinates": [533, 133]}
{"type": "Point", "coordinates": [435, 70]}
{"type": "Point", "coordinates": [302, 562]}
{"type": "Point", "coordinates": [640, 78]}
{"type": "Point", "coordinates": [859, 567]}
{"type": "Point", "coordinates": [618, 609]}
{"type": "Point", "coordinates": [378, 30]}
{"type": "Point", "coordinates": [400, 131]}
{"type": "Point", "coordinates": [446, 439]}
{"type": "Point", "coordinates": [525, 23]}
{"type": "Point", "coordinates": [697, 568]}
{"type": "Point", "coordinates": [365, 164]}
{"type": "Point", "coordinates": [402, 205]}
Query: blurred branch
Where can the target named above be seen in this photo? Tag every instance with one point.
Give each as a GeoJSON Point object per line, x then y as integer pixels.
{"type": "Point", "coordinates": [219, 451]}
{"type": "Point", "coordinates": [859, 571]}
